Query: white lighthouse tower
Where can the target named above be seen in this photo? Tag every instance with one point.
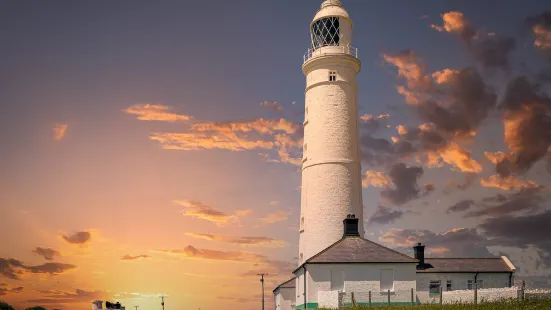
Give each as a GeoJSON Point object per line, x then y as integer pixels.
{"type": "Point", "coordinates": [331, 171]}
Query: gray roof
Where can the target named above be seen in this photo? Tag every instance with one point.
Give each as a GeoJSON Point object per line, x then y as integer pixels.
{"type": "Point", "coordinates": [287, 284]}
{"type": "Point", "coordinates": [465, 265]}
{"type": "Point", "coordinates": [351, 249]}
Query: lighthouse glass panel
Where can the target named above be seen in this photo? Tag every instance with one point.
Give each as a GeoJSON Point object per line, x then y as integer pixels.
{"type": "Point", "coordinates": [326, 32]}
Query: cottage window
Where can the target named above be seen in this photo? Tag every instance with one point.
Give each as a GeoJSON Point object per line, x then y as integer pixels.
{"type": "Point", "coordinates": [337, 280]}
{"type": "Point", "coordinates": [448, 285]}
{"type": "Point", "coordinates": [479, 284]}
{"type": "Point", "coordinates": [470, 284]}
{"type": "Point", "coordinates": [387, 279]}
{"type": "Point", "coordinates": [434, 287]}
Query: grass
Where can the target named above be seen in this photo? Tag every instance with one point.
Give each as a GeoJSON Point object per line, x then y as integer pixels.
{"type": "Point", "coordinates": [541, 304]}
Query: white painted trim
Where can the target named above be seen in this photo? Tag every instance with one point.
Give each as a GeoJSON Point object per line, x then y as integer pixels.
{"type": "Point", "coordinates": [508, 262]}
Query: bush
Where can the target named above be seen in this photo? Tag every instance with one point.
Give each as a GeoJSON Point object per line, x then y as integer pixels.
{"type": "Point", "coordinates": [5, 306]}
{"type": "Point", "coordinates": [541, 304]}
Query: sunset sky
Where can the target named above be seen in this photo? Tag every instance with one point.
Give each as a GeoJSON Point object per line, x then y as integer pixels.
{"type": "Point", "coordinates": [152, 148]}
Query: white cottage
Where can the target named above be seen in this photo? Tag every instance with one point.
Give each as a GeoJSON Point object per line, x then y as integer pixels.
{"type": "Point", "coordinates": [284, 295]}
{"type": "Point", "coordinates": [355, 264]}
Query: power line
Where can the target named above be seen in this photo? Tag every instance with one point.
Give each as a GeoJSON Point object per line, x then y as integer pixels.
{"type": "Point", "coordinates": [261, 281]}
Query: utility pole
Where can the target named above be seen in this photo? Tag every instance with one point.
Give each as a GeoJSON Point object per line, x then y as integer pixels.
{"type": "Point", "coordinates": [262, 281]}
{"type": "Point", "coordinates": [163, 302]}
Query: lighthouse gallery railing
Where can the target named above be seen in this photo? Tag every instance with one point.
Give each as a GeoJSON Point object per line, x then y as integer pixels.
{"type": "Point", "coordinates": [331, 50]}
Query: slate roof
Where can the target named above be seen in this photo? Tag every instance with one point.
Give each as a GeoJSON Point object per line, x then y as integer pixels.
{"type": "Point", "coordinates": [464, 265]}
{"type": "Point", "coordinates": [287, 284]}
{"type": "Point", "coordinates": [351, 249]}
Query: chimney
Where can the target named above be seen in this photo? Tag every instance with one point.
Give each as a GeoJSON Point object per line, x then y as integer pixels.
{"type": "Point", "coordinates": [419, 253]}
{"type": "Point", "coordinates": [351, 226]}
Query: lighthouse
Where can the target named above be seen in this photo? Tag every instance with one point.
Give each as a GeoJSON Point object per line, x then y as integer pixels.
{"type": "Point", "coordinates": [331, 169]}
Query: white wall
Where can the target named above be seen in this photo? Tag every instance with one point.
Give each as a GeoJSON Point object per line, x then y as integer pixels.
{"type": "Point", "coordinates": [285, 299]}
{"type": "Point", "coordinates": [299, 290]}
{"type": "Point", "coordinates": [360, 278]}
{"type": "Point", "coordinates": [483, 295]}
{"type": "Point", "coordinates": [459, 282]}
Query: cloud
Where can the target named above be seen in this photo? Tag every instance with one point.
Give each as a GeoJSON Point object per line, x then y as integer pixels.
{"type": "Point", "coordinates": [405, 187]}
{"type": "Point", "coordinates": [376, 179]}
{"type": "Point", "coordinates": [14, 269]}
{"type": "Point", "coordinates": [201, 211]}
{"type": "Point", "coordinates": [526, 200]}
{"type": "Point", "coordinates": [507, 183]}
{"type": "Point", "coordinates": [521, 231]}
{"type": "Point", "coordinates": [373, 123]}
{"type": "Point", "coordinates": [243, 241]}
{"type": "Point", "coordinates": [46, 253]}
{"type": "Point", "coordinates": [14, 290]}
{"type": "Point", "coordinates": [458, 242]}
{"type": "Point", "coordinates": [234, 256]}
{"type": "Point", "coordinates": [461, 206]}
{"type": "Point", "coordinates": [272, 105]}
{"type": "Point", "coordinates": [278, 216]}
{"type": "Point", "coordinates": [527, 127]}
{"type": "Point", "coordinates": [282, 136]}
{"type": "Point", "coordinates": [81, 237]}
{"type": "Point", "coordinates": [60, 297]}
{"type": "Point", "coordinates": [489, 49]}
{"type": "Point", "coordinates": [155, 112]}
{"type": "Point", "coordinates": [385, 215]}
{"type": "Point", "coordinates": [541, 27]}
{"type": "Point", "coordinates": [137, 257]}
{"type": "Point", "coordinates": [59, 131]}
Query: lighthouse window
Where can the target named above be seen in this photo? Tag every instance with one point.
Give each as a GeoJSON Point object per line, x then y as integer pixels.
{"type": "Point", "coordinates": [325, 32]}
{"type": "Point", "coordinates": [332, 76]}
{"type": "Point", "coordinates": [302, 224]}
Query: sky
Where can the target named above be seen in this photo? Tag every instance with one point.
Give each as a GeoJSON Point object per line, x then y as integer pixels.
{"type": "Point", "coordinates": [153, 148]}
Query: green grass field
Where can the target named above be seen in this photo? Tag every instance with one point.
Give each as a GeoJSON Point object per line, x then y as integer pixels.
{"type": "Point", "coordinates": [506, 305]}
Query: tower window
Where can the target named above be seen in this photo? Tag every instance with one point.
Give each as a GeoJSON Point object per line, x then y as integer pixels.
{"type": "Point", "coordinates": [302, 224]}
{"type": "Point", "coordinates": [326, 32]}
{"type": "Point", "coordinates": [301, 258]}
{"type": "Point", "coordinates": [332, 76]}
{"type": "Point", "coordinates": [304, 156]}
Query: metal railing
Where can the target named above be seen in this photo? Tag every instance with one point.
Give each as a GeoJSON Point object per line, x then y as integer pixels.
{"type": "Point", "coordinates": [331, 50]}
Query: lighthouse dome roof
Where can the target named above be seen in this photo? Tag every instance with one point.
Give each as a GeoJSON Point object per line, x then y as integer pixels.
{"type": "Point", "coordinates": [331, 8]}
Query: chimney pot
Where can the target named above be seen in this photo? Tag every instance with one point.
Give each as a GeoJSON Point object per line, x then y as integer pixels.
{"type": "Point", "coordinates": [419, 253]}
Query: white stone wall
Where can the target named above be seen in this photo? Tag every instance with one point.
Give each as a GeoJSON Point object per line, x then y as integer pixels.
{"type": "Point", "coordinates": [537, 293]}
{"type": "Point", "coordinates": [285, 299]}
{"type": "Point", "coordinates": [483, 295]}
{"type": "Point", "coordinates": [360, 279]}
{"type": "Point", "coordinates": [459, 282]}
{"type": "Point", "coordinates": [329, 299]}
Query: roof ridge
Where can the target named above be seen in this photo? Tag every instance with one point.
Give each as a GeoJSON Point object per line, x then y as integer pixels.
{"type": "Point", "coordinates": [384, 247]}
{"type": "Point", "coordinates": [321, 252]}
{"type": "Point", "coordinates": [279, 286]}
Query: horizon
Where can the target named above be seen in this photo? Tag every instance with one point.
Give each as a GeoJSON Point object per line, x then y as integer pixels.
{"type": "Point", "coordinates": [154, 148]}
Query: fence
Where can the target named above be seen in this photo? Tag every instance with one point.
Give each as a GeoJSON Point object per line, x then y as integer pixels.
{"type": "Point", "coordinates": [338, 299]}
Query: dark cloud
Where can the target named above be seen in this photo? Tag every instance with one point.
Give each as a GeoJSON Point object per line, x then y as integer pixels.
{"type": "Point", "coordinates": [429, 188]}
{"type": "Point", "coordinates": [461, 206]}
{"type": "Point", "coordinates": [494, 51]}
{"type": "Point", "coordinates": [15, 290]}
{"type": "Point", "coordinates": [525, 201]}
{"type": "Point", "coordinates": [78, 238]}
{"type": "Point", "coordinates": [521, 231]}
{"type": "Point", "coordinates": [385, 215]}
{"type": "Point", "coordinates": [459, 242]}
{"type": "Point", "coordinates": [468, 180]}
{"type": "Point", "coordinates": [46, 253]}
{"type": "Point", "coordinates": [128, 257]}
{"type": "Point", "coordinates": [405, 187]}
{"type": "Point", "coordinates": [527, 123]}
{"type": "Point", "coordinates": [14, 269]}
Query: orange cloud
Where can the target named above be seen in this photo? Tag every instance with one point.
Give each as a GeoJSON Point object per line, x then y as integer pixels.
{"type": "Point", "coordinates": [507, 183]}
{"type": "Point", "coordinates": [199, 210]}
{"type": "Point", "coordinates": [375, 179]}
{"type": "Point", "coordinates": [496, 157]}
{"type": "Point", "coordinates": [234, 256]}
{"type": "Point", "coordinates": [455, 22]}
{"type": "Point", "coordinates": [59, 131]}
{"type": "Point", "coordinates": [281, 135]}
{"type": "Point", "coordinates": [543, 37]}
{"type": "Point", "coordinates": [155, 112]}
{"type": "Point", "coordinates": [243, 241]}
{"type": "Point", "coordinates": [46, 253]}
{"type": "Point", "coordinates": [368, 117]}
{"type": "Point", "coordinates": [278, 216]}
